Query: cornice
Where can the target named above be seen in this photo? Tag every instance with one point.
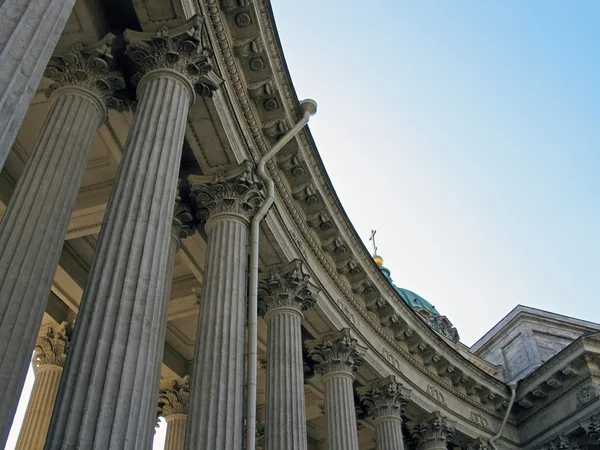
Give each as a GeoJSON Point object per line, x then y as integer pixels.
{"type": "Point", "coordinates": [338, 249]}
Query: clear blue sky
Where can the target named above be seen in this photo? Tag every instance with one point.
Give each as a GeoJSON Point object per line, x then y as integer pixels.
{"type": "Point", "coordinates": [468, 134]}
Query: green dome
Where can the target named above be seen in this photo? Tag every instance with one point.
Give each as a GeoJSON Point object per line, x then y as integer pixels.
{"type": "Point", "coordinates": [415, 301]}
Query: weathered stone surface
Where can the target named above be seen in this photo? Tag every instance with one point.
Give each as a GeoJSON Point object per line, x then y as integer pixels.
{"type": "Point", "coordinates": [108, 394]}
{"type": "Point", "coordinates": [29, 32]}
{"type": "Point", "coordinates": [432, 432]}
{"type": "Point", "coordinates": [173, 405]}
{"type": "Point", "coordinates": [225, 202]}
{"type": "Point", "coordinates": [34, 226]}
{"type": "Point", "coordinates": [337, 355]}
{"type": "Point", "coordinates": [384, 402]}
{"type": "Point", "coordinates": [48, 360]}
{"type": "Point", "coordinates": [283, 294]}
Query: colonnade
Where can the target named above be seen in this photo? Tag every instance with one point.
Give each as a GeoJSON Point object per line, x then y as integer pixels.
{"type": "Point", "coordinates": [103, 393]}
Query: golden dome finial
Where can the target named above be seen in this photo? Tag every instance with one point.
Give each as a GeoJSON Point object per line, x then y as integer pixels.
{"type": "Point", "coordinates": [378, 259]}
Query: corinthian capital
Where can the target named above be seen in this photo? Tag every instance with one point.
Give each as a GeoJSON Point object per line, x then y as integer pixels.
{"type": "Point", "coordinates": [184, 49]}
{"type": "Point", "coordinates": [175, 399]}
{"type": "Point", "coordinates": [89, 68]}
{"type": "Point", "coordinates": [233, 192]}
{"type": "Point", "coordinates": [432, 431]}
{"type": "Point", "coordinates": [286, 287]}
{"type": "Point", "coordinates": [336, 352]}
{"type": "Point", "coordinates": [181, 227]}
{"type": "Point", "coordinates": [385, 398]}
{"type": "Point", "coordinates": [592, 427]}
{"type": "Point", "coordinates": [561, 442]}
{"type": "Point", "coordinates": [51, 348]}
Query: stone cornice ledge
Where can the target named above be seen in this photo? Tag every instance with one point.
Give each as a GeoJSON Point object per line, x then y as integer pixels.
{"type": "Point", "coordinates": [236, 79]}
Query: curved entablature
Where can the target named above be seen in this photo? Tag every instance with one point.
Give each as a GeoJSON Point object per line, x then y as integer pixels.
{"type": "Point", "coordinates": [249, 53]}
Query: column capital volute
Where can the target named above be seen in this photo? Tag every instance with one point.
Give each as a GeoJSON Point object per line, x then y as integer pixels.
{"type": "Point", "coordinates": [183, 221]}
{"type": "Point", "coordinates": [91, 70]}
{"type": "Point", "coordinates": [479, 444]}
{"type": "Point", "coordinates": [384, 398]}
{"type": "Point", "coordinates": [336, 352]}
{"type": "Point", "coordinates": [432, 431]}
{"type": "Point", "coordinates": [286, 286]}
{"type": "Point", "coordinates": [591, 426]}
{"type": "Point", "coordinates": [560, 442]}
{"type": "Point", "coordinates": [231, 193]}
{"type": "Point", "coordinates": [51, 347]}
{"type": "Point", "coordinates": [184, 50]}
{"type": "Point", "coordinates": [174, 399]}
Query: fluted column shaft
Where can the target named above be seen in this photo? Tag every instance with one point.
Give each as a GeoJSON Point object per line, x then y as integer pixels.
{"type": "Point", "coordinates": [217, 399]}
{"type": "Point", "coordinates": [33, 230]}
{"type": "Point", "coordinates": [29, 32]}
{"type": "Point", "coordinates": [106, 392]}
{"type": "Point", "coordinates": [175, 431]}
{"type": "Point", "coordinates": [340, 413]}
{"type": "Point", "coordinates": [39, 409]}
{"type": "Point", "coordinates": [285, 410]}
{"type": "Point", "coordinates": [388, 430]}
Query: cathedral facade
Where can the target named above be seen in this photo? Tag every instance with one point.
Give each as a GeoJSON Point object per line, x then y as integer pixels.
{"type": "Point", "coordinates": [171, 246]}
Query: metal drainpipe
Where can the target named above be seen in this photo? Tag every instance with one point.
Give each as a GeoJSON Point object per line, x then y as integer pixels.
{"type": "Point", "coordinates": [513, 394]}
{"type": "Point", "coordinates": [309, 107]}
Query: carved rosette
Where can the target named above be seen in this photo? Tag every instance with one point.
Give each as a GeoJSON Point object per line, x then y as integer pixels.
{"type": "Point", "coordinates": [432, 431]}
{"type": "Point", "coordinates": [336, 352]}
{"type": "Point", "coordinates": [89, 68]}
{"type": "Point", "coordinates": [385, 398]}
{"type": "Point", "coordinates": [185, 50]}
{"type": "Point", "coordinates": [592, 427]}
{"type": "Point", "coordinates": [52, 348]}
{"type": "Point", "coordinates": [235, 192]}
{"type": "Point", "coordinates": [286, 287]}
{"type": "Point", "coordinates": [182, 226]}
{"type": "Point", "coordinates": [175, 399]}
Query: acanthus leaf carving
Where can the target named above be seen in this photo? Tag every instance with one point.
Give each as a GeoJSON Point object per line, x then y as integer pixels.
{"type": "Point", "coordinates": [51, 348]}
{"type": "Point", "coordinates": [174, 399]}
{"type": "Point", "coordinates": [336, 352]}
{"type": "Point", "coordinates": [286, 287]}
{"type": "Point", "coordinates": [432, 431]}
{"type": "Point", "coordinates": [387, 397]}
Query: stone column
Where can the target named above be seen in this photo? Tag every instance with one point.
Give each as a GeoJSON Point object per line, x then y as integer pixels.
{"type": "Point", "coordinates": [337, 355]}
{"type": "Point", "coordinates": [226, 203]}
{"type": "Point", "coordinates": [29, 32]}
{"type": "Point", "coordinates": [384, 402]}
{"type": "Point", "coordinates": [173, 406]}
{"type": "Point", "coordinates": [181, 227]}
{"type": "Point", "coordinates": [283, 295]}
{"type": "Point", "coordinates": [48, 362]}
{"type": "Point", "coordinates": [107, 394]}
{"type": "Point", "coordinates": [432, 432]}
{"type": "Point", "coordinates": [33, 229]}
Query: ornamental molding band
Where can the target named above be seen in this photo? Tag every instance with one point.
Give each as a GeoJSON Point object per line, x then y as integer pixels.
{"type": "Point", "coordinates": [432, 431]}
{"type": "Point", "coordinates": [184, 49]}
{"type": "Point", "coordinates": [235, 191]}
{"type": "Point", "coordinates": [91, 68]}
{"type": "Point", "coordinates": [51, 348]}
{"type": "Point", "coordinates": [174, 399]}
{"type": "Point", "coordinates": [336, 352]}
{"type": "Point", "coordinates": [286, 286]}
{"type": "Point", "coordinates": [561, 442]}
{"type": "Point", "coordinates": [385, 398]}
